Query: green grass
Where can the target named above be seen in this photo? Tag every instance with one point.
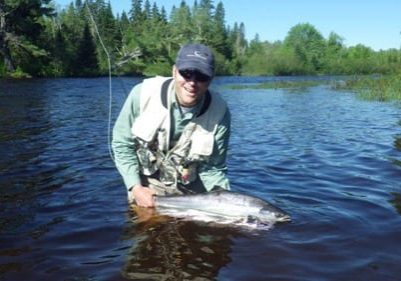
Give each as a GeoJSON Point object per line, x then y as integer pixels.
{"type": "Point", "coordinates": [385, 88]}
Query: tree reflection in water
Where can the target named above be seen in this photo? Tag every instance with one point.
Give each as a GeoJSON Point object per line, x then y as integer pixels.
{"type": "Point", "coordinates": [171, 249]}
{"type": "Point", "coordinates": [396, 201]}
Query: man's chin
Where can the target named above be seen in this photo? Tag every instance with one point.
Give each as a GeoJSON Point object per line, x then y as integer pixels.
{"type": "Point", "coordinates": [189, 102]}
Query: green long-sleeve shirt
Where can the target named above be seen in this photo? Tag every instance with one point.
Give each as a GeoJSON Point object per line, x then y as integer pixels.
{"type": "Point", "coordinates": [211, 173]}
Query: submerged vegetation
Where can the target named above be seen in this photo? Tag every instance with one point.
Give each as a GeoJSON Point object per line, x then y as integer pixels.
{"type": "Point", "coordinates": [374, 88]}
{"type": "Point", "coordinates": [380, 88]}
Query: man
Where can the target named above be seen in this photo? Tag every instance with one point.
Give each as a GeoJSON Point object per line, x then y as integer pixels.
{"type": "Point", "coordinates": [172, 134]}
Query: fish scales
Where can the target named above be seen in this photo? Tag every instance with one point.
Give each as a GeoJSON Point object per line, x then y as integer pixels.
{"type": "Point", "coordinates": [220, 206]}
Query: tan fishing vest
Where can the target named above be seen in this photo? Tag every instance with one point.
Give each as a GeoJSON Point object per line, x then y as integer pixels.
{"type": "Point", "coordinates": [151, 130]}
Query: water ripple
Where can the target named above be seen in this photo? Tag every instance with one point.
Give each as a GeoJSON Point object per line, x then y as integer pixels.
{"type": "Point", "coordinates": [326, 158]}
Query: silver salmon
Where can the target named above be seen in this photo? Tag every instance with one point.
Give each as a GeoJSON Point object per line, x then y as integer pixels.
{"type": "Point", "coordinates": [221, 207]}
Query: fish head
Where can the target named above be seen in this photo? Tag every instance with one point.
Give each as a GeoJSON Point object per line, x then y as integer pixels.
{"type": "Point", "coordinates": [274, 215]}
{"type": "Point", "coordinates": [282, 217]}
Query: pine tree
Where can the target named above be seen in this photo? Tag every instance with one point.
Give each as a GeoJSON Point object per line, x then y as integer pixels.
{"type": "Point", "coordinates": [20, 30]}
{"type": "Point", "coordinates": [181, 24]}
{"type": "Point", "coordinates": [107, 27]}
{"type": "Point", "coordinates": [201, 16]}
{"type": "Point", "coordinates": [60, 58]}
{"type": "Point", "coordinates": [136, 15]}
{"type": "Point", "coordinates": [86, 62]}
{"type": "Point", "coordinates": [219, 39]}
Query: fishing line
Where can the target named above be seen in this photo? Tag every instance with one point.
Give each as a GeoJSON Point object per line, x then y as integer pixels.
{"type": "Point", "coordinates": [110, 82]}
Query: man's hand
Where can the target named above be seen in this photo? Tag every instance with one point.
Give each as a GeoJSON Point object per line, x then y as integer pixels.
{"type": "Point", "coordinates": [142, 195]}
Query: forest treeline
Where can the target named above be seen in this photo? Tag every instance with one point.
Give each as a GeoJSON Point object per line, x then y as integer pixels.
{"type": "Point", "coordinates": [37, 39]}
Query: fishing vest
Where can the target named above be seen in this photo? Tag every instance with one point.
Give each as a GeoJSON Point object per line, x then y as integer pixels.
{"type": "Point", "coordinates": [176, 163]}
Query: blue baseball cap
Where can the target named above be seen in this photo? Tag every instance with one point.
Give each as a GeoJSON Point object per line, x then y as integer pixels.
{"type": "Point", "coordinates": [196, 56]}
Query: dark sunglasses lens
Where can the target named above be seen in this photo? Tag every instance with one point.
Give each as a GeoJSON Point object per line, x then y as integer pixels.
{"type": "Point", "coordinates": [194, 75]}
{"type": "Point", "coordinates": [202, 77]}
{"type": "Point", "coordinates": [186, 74]}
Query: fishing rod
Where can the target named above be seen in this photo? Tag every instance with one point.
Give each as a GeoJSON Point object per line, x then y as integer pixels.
{"type": "Point", "coordinates": [110, 81]}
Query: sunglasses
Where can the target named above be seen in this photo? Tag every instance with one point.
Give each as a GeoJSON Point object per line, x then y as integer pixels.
{"type": "Point", "coordinates": [194, 75]}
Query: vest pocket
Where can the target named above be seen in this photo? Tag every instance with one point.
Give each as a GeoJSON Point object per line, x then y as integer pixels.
{"type": "Point", "coordinates": [147, 159]}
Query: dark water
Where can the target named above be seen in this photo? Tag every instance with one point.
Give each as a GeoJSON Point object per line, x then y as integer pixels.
{"type": "Point", "coordinates": [330, 160]}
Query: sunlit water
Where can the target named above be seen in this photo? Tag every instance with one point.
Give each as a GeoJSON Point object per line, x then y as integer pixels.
{"type": "Point", "coordinates": [331, 161]}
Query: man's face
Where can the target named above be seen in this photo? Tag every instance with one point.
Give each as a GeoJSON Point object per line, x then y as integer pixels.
{"type": "Point", "coordinates": [190, 86]}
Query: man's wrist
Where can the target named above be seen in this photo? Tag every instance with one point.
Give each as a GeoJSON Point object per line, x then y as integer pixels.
{"type": "Point", "coordinates": [134, 186]}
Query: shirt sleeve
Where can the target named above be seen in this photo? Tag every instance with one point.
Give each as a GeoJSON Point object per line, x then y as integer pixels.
{"type": "Point", "coordinates": [123, 144]}
{"type": "Point", "coordinates": [214, 172]}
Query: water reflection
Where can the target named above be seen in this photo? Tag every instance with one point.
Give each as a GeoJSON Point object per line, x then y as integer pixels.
{"type": "Point", "coordinates": [331, 160]}
{"type": "Point", "coordinates": [397, 146]}
{"type": "Point", "coordinates": [396, 201]}
{"type": "Point", "coordinates": [23, 122]}
{"type": "Point", "coordinates": [397, 142]}
{"type": "Point", "coordinates": [25, 177]}
{"type": "Point", "coordinates": [169, 249]}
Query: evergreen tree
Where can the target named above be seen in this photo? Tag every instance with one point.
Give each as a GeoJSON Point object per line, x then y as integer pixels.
{"type": "Point", "coordinates": [136, 15]}
{"type": "Point", "coordinates": [163, 15]}
{"type": "Point", "coordinates": [78, 4]}
{"type": "Point", "coordinates": [20, 29]}
{"type": "Point", "coordinates": [201, 19]}
{"type": "Point", "coordinates": [238, 45]}
{"type": "Point", "coordinates": [147, 14]}
{"type": "Point", "coordinates": [219, 39]}
{"type": "Point", "coordinates": [86, 62]}
{"type": "Point", "coordinates": [107, 27]}
{"type": "Point", "coordinates": [124, 22]}
{"type": "Point", "coordinates": [181, 25]}
{"type": "Point", "coordinates": [146, 42]}
{"type": "Point", "coordinates": [155, 14]}
{"type": "Point", "coordinates": [60, 62]}
{"type": "Point", "coordinates": [72, 22]}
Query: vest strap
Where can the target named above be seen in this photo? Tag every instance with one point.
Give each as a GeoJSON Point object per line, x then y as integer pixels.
{"type": "Point", "coordinates": [164, 92]}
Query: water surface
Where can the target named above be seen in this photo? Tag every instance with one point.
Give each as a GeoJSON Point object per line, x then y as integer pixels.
{"type": "Point", "coordinates": [330, 160]}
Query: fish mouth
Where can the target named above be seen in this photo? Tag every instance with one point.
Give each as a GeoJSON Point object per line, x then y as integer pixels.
{"type": "Point", "coordinates": [283, 217]}
{"type": "Point", "coordinates": [276, 215]}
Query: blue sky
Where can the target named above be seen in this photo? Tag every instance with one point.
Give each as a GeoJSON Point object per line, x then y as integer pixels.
{"type": "Point", "coordinates": [373, 23]}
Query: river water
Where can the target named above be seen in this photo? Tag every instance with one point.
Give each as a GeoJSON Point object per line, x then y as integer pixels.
{"type": "Point", "coordinates": [330, 160]}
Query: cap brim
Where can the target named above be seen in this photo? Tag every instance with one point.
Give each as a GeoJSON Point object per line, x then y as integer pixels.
{"type": "Point", "coordinates": [188, 64]}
